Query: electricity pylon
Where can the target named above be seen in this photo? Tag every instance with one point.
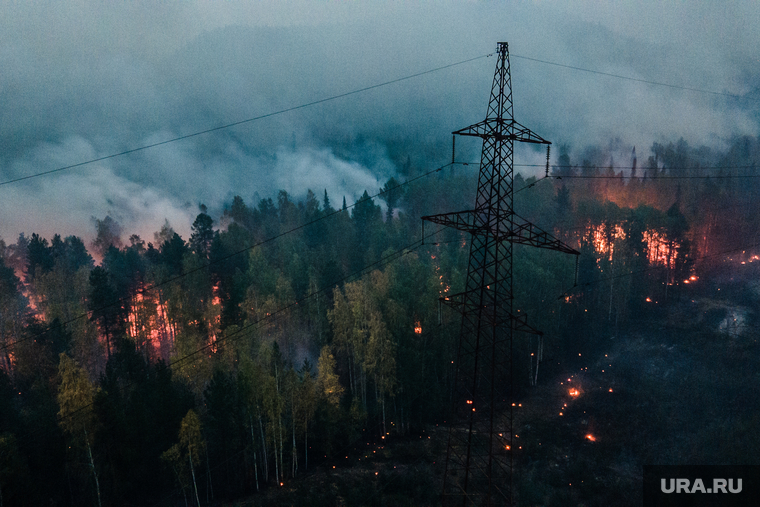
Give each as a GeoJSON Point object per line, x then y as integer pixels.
{"type": "Point", "coordinates": [479, 461]}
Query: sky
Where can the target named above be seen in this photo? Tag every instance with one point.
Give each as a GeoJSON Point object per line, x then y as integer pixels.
{"type": "Point", "coordinates": [83, 80]}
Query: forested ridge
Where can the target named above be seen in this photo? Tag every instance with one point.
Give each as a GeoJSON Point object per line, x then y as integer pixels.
{"type": "Point", "coordinates": [283, 335]}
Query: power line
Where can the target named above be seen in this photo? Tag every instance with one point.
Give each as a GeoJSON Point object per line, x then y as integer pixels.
{"type": "Point", "coordinates": [334, 97]}
{"type": "Point", "coordinates": [660, 177]}
{"type": "Point", "coordinates": [627, 78]}
{"type": "Point", "coordinates": [241, 122]}
{"type": "Point", "coordinates": [622, 167]}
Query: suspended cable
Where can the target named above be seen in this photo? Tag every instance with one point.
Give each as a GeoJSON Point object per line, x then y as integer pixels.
{"type": "Point", "coordinates": [625, 167]}
{"type": "Point", "coordinates": [241, 122]}
{"type": "Point", "coordinates": [627, 78]}
{"type": "Point", "coordinates": [663, 177]}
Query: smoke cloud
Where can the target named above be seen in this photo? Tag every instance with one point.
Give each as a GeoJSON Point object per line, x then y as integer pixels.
{"type": "Point", "coordinates": [83, 80]}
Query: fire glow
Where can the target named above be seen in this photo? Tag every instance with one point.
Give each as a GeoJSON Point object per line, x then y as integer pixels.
{"type": "Point", "coordinates": [603, 237]}
{"type": "Point", "coordinates": [149, 325]}
{"type": "Point", "coordinates": [660, 250]}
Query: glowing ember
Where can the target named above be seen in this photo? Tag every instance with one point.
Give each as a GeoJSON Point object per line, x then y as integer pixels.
{"type": "Point", "coordinates": [418, 328]}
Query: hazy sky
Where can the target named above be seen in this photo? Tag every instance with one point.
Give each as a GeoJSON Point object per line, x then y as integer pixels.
{"type": "Point", "coordinates": [82, 80]}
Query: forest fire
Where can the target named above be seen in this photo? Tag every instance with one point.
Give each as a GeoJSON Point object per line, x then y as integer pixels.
{"type": "Point", "coordinates": [661, 251]}
{"type": "Point", "coordinates": [220, 359]}
{"type": "Point", "coordinates": [149, 325]}
{"type": "Point", "coordinates": [603, 237]}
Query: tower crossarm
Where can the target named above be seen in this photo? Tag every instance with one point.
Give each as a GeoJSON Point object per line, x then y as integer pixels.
{"type": "Point", "coordinates": [460, 220]}
{"type": "Point", "coordinates": [502, 129]}
{"type": "Point", "coordinates": [526, 233]}
{"type": "Point", "coordinates": [503, 229]}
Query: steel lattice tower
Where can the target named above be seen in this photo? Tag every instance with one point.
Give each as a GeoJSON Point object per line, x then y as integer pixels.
{"type": "Point", "coordinates": [479, 461]}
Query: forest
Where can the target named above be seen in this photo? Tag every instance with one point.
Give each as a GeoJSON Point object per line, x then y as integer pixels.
{"type": "Point", "coordinates": [293, 351]}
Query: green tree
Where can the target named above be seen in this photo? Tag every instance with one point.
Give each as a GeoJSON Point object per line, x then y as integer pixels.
{"type": "Point", "coordinates": [328, 383]}
{"type": "Point", "coordinates": [391, 193]}
{"type": "Point", "coordinates": [185, 455]}
{"type": "Point", "coordinates": [249, 381]}
{"type": "Point", "coordinates": [381, 360]}
{"type": "Point", "coordinates": [39, 257]}
{"type": "Point", "coordinates": [305, 406]}
{"type": "Point", "coordinates": [104, 306]}
{"type": "Point", "coordinates": [202, 236]}
{"type": "Point", "coordinates": [76, 415]}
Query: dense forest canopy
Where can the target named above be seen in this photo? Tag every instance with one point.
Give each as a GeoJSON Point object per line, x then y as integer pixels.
{"type": "Point", "coordinates": [285, 332]}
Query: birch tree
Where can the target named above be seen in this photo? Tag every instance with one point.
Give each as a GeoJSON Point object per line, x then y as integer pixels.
{"type": "Point", "coordinates": [185, 455]}
{"type": "Point", "coordinates": [76, 415]}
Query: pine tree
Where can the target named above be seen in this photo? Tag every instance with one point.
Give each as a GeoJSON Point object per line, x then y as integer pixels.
{"type": "Point", "coordinates": [203, 234]}
{"type": "Point", "coordinates": [326, 203]}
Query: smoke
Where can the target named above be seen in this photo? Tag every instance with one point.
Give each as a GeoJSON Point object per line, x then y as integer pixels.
{"type": "Point", "coordinates": [85, 80]}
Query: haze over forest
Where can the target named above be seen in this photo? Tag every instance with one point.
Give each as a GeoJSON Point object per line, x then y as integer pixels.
{"type": "Point", "coordinates": [204, 320]}
{"type": "Point", "coordinates": [84, 81]}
